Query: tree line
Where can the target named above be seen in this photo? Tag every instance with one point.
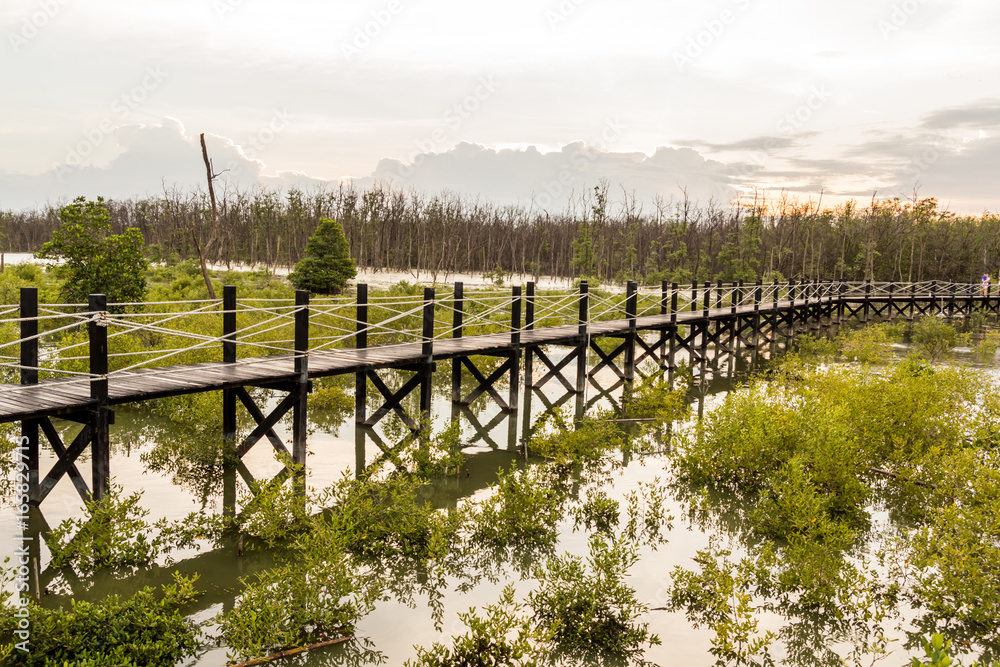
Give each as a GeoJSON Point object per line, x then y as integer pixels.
{"type": "Point", "coordinates": [595, 237]}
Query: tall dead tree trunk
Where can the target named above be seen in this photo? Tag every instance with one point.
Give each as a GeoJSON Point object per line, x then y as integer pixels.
{"type": "Point", "coordinates": [215, 220]}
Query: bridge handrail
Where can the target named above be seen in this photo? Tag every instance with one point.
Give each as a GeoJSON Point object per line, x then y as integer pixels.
{"type": "Point", "coordinates": [393, 319]}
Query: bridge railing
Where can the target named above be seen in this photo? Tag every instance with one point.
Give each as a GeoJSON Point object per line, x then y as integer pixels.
{"type": "Point", "coordinates": [42, 341]}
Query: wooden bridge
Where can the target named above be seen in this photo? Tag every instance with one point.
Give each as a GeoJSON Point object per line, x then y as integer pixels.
{"type": "Point", "coordinates": [652, 325]}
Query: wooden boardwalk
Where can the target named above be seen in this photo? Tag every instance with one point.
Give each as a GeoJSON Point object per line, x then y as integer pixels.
{"type": "Point", "coordinates": [52, 397]}
{"type": "Point", "coordinates": [714, 319]}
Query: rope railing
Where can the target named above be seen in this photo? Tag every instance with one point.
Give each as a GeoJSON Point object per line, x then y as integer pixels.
{"type": "Point", "coordinates": [159, 334]}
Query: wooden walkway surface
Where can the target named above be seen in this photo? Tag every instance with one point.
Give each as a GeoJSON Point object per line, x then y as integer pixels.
{"type": "Point", "coordinates": [51, 397]}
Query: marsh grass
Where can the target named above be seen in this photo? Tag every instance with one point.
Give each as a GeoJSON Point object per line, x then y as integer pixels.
{"type": "Point", "coordinates": [808, 457]}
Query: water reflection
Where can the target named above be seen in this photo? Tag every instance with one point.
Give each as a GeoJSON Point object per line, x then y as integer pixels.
{"type": "Point", "coordinates": [199, 471]}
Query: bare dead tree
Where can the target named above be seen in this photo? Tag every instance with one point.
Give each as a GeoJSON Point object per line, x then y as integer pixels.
{"type": "Point", "coordinates": [215, 220]}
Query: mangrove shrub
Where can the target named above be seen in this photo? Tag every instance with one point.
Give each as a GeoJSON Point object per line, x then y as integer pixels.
{"type": "Point", "coordinates": [95, 260]}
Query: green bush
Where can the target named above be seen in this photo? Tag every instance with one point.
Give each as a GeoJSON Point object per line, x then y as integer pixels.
{"type": "Point", "coordinates": [587, 441]}
{"type": "Point", "coordinates": [111, 534]}
{"type": "Point", "coordinates": [387, 519]}
{"type": "Point", "coordinates": [588, 606]}
{"type": "Point", "coordinates": [313, 597]}
{"type": "Point", "coordinates": [934, 337]}
{"type": "Point", "coordinates": [488, 642]}
{"type": "Point", "coordinates": [142, 631]}
{"type": "Point", "coordinates": [327, 265]}
{"type": "Point", "coordinates": [525, 510]}
{"type": "Point", "coordinates": [95, 260]}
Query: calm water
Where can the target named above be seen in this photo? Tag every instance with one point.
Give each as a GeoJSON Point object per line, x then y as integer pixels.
{"type": "Point", "coordinates": [390, 632]}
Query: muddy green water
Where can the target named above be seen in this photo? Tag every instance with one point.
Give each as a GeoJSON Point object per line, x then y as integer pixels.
{"type": "Point", "coordinates": [387, 635]}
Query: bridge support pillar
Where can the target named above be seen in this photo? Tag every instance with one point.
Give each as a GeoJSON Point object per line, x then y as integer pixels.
{"type": "Point", "coordinates": [515, 350]}
{"type": "Point", "coordinates": [868, 300]}
{"type": "Point", "coordinates": [360, 343]}
{"type": "Point", "coordinates": [29, 375]}
{"type": "Point", "coordinates": [631, 307]}
{"type": "Point", "coordinates": [100, 446]}
{"type": "Point", "coordinates": [229, 457]}
{"type": "Point", "coordinates": [529, 325]}
{"type": "Point", "coordinates": [583, 345]}
{"type": "Point", "coordinates": [300, 388]}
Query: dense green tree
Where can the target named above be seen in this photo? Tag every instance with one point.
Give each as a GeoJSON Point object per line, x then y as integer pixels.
{"type": "Point", "coordinates": [94, 260]}
{"type": "Point", "coordinates": [327, 265]}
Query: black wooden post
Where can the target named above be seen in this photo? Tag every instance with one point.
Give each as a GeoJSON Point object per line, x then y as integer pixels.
{"type": "Point", "coordinates": [457, 320]}
{"type": "Point", "coordinates": [664, 309]}
{"type": "Point", "coordinates": [360, 457]}
{"type": "Point", "coordinates": [583, 342]}
{"type": "Point", "coordinates": [811, 303]}
{"type": "Point", "coordinates": [694, 295]}
{"type": "Point", "coordinates": [427, 352]}
{"type": "Point", "coordinates": [790, 319]}
{"type": "Point", "coordinates": [718, 293]}
{"type": "Point", "coordinates": [29, 375]}
{"type": "Point", "coordinates": [868, 298]}
{"type": "Point", "coordinates": [529, 325]}
{"type": "Point", "coordinates": [824, 307]}
{"type": "Point", "coordinates": [299, 415]}
{"type": "Point", "coordinates": [229, 323]}
{"type": "Point", "coordinates": [828, 294]}
{"type": "Point", "coordinates": [703, 347]}
{"type": "Point", "coordinates": [672, 352]}
{"type": "Point", "coordinates": [734, 333]}
{"type": "Point", "coordinates": [758, 294]}
{"type": "Point", "coordinates": [951, 300]}
{"type": "Point", "coordinates": [841, 290]}
{"type": "Point", "coordinates": [913, 299]}
{"type": "Point", "coordinates": [361, 342]}
{"type": "Point", "coordinates": [826, 291]}
{"type": "Point", "coordinates": [631, 309]}
{"type": "Point", "coordinates": [515, 352]}
{"type": "Point", "coordinates": [816, 312]}
{"type": "Point", "coordinates": [526, 419]}
{"type": "Point", "coordinates": [892, 288]}
{"type": "Point", "coordinates": [229, 401]}
{"type": "Point", "coordinates": [708, 298]}
{"type": "Point", "coordinates": [97, 330]}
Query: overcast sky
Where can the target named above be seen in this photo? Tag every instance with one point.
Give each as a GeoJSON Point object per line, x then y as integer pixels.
{"type": "Point", "coordinates": [527, 101]}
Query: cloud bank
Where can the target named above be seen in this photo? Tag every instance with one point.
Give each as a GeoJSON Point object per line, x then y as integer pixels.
{"type": "Point", "coordinates": [150, 158]}
{"type": "Point", "coordinates": [952, 153]}
{"type": "Point", "coordinates": [553, 180]}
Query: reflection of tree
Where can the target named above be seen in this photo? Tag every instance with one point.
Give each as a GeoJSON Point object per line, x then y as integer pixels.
{"type": "Point", "coordinates": [329, 403]}
{"type": "Point", "coordinates": [827, 596]}
{"type": "Point", "coordinates": [182, 438]}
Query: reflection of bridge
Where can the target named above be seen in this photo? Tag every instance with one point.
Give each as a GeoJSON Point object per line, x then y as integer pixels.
{"type": "Point", "coordinates": [128, 344]}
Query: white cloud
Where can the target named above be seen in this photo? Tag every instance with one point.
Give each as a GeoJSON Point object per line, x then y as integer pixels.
{"type": "Point", "coordinates": [553, 180]}
{"type": "Point", "coordinates": [150, 157]}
